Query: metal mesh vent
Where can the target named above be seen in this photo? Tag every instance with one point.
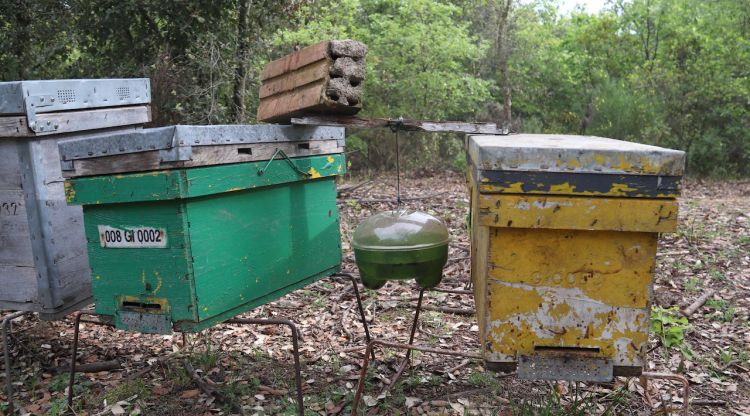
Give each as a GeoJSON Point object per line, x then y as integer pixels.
{"type": "Point", "coordinates": [66, 96]}
{"type": "Point", "coordinates": [122, 92]}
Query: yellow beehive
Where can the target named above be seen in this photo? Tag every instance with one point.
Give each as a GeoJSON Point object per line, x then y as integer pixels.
{"type": "Point", "coordinates": [564, 234]}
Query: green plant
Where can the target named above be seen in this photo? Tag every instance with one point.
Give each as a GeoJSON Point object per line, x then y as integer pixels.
{"type": "Point", "coordinates": [58, 407]}
{"type": "Point", "coordinates": [669, 327]}
{"type": "Point", "coordinates": [716, 275]}
{"type": "Point", "coordinates": [723, 310]}
{"type": "Point", "coordinates": [553, 406]}
{"type": "Point", "coordinates": [693, 284]}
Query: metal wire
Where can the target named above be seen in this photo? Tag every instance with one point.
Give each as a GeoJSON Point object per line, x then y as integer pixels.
{"type": "Point", "coordinates": [398, 174]}
{"type": "Point", "coordinates": [395, 126]}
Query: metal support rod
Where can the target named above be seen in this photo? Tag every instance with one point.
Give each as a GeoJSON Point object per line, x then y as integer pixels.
{"type": "Point", "coordinates": [359, 305]}
{"type": "Point", "coordinates": [240, 321]}
{"type": "Point", "coordinates": [74, 356]}
{"type": "Point", "coordinates": [685, 409]}
{"type": "Point", "coordinates": [407, 357]}
{"type": "Point", "coordinates": [6, 352]}
{"type": "Point", "coordinates": [415, 322]}
{"type": "Point", "coordinates": [295, 344]}
{"type": "Point", "coordinates": [410, 347]}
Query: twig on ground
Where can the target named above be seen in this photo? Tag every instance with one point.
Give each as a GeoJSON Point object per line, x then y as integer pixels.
{"type": "Point", "coordinates": [211, 390]}
{"type": "Point", "coordinates": [698, 303]}
{"type": "Point", "coordinates": [715, 403]}
{"type": "Point", "coordinates": [91, 367]}
{"type": "Point", "coordinates": [445, 309]}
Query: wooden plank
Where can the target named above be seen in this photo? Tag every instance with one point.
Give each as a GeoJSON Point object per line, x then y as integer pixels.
{"type": "Point", "coordinates": [325, 77]}
{"type": "Point", "coordinates": [300, 77]}
{"type": "Point", "coordinates": [202, 156]}
{"type": "Point", "coordinates": [18, 288]}
{"type": "Point", "coordinates": [578, 213]}
{"type": "Point", "coordinates": [401, 124]}
{"type": "Point", "coordinates": [295, 60]}
{"type": "Point", "coordinates": [277, 106]}
{"type": "Point", "coordinates": [15, 243]}
{"type": "Point", "coordinates": [10, 170]}
{"type": "Point", "coordinates": [72, 121]}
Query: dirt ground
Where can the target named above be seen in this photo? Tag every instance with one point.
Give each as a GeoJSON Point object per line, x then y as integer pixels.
{"type": "Point", "coordinates": [252, 367]}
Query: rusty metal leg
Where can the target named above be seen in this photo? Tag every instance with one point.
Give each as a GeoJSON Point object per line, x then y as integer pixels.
{"type": "Point", "coordinates": [295, 345]}
{"type": "Point", "coordinates": [6, 353]}
{"type": "Point", "coordinates": [416, 320]}
{"type": "Point", "coordinates": [73, 358]}
{"type": "Point", "coordinates": [407, 358]}
{"type": "Point", "coordinates": [409, 348]}
{"type": "Point", "coordinates": [359, 306]}
{"type": "Point", "coordinates": [685, 409]}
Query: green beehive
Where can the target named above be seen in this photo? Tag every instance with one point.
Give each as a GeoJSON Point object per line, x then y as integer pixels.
{"type": "Point", "coordinates": [186, 248]}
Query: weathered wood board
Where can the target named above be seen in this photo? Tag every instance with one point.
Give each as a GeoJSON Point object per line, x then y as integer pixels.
{"type": "Point", "coordinates": [73, 121]}
{"type": "Point", "coordinates": [323, 78]}
{"type": "Point", "coordinates": [201, 156]}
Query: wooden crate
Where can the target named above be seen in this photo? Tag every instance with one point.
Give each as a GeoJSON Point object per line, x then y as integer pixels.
{"type": "Point", "coordinates": [188, 247]}
{"type": "Point", "coordinates": [564, 236]}
{"type": "Point", "coordinates": [323, 78]}
{"type": "Point", "coordinates": [43, 262]}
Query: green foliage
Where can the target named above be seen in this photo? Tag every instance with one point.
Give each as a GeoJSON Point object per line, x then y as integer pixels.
{"type": "Point", "coordinates": [419, 65]}
{"type": "Point", "coordinates": [723, 310]}
{"type": "Point", "coordinates": [672, 73]}
{"type": "Point", "coordinates": [669, 327]}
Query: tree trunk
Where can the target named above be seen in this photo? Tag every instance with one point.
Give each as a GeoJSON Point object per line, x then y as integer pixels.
{"type": "Point", "coordinates": [238, 99]}
{"type": "Point", "coordinates": [503, 49]}
{"type": "Point", "coordinates": [21, 40]}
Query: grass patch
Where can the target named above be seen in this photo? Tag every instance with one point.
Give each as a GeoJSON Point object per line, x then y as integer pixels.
{"type": "Point", "coordinates": [722, 310]}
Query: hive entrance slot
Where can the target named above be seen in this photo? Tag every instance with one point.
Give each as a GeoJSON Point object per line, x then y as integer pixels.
{"type": "Point", "coordinates": [141, 306]}
{"type": "Point", "coordinates": [245, 151]}
{"type": "Point", "coordinates": [567, 350]}
{"type": "Point", "coordinates": [305, 146]}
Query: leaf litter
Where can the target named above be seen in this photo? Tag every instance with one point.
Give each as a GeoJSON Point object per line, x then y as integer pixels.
{"type": "Point", "coordinates": [253, 365]}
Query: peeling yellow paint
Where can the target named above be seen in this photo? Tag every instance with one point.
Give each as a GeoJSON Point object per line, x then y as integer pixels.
{"type": "Point", "coordinates": [159, 282]}
{"type": "Point", "coordinates": [70, 191]}
{"type": "Point", "coordinates": [578, 213]}
{"type": "Point", "coordinates": [563, 188]}
{"type": "Point", "coordinates": [330, 159]}
{"type": "Point", "coordinates": [314, 173]}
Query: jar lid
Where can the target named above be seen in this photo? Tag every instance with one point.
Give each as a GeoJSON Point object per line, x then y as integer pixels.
{"type": "Point", "coordinates": [400, 230]}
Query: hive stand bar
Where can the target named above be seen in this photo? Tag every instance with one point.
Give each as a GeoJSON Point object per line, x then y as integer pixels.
{"type": "Point", "coordinates": [73, 358]}
{"type": "Point", "coordinates": [235, 321]}
{"type": "Point", "coordinates": [396, 124]}
{"type": "Point", "coordinates": [6, 353]}
{"type": "Point", "coordinates": [359, 305]}
{"type": "Point", "coordinates": [410, 347]}
{"type": "Point", "coordinates": [685, 409]}
{"type": "Point", "coordinates": [407, 357]}
{"type": "Point", "coordinates": [295, 346]}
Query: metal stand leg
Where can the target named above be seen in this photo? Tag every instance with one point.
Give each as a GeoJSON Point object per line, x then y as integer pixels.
{"type": "Point", "coordinates": [295, 344]}
{"type": "Point", "coordinates": [359, 305]}
{"type": "Point", "coordinates": [74, 355]}
{"type": "Point", "coordinates": [685, 409]}
{"type": "Point", "coordinates": [6, 352]}
{"type": "Point", "coordinates": [407, 357]}
{"type": "Point", "coordinates": [409, 347]}
{"type": "Point", "coordinates": [240, 321]}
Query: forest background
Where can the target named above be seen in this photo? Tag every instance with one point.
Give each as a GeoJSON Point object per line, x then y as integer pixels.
{"type": "Point", "coordinates": [674, 73]}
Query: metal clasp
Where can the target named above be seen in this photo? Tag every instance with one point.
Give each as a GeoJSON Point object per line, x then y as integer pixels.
{"type": "Point", "coordinates": [33, 102]}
